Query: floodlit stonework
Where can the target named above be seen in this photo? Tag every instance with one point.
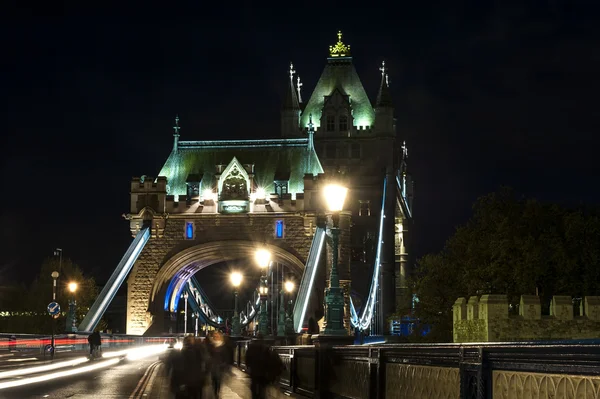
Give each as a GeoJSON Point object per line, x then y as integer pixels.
{"type": "Point", "coordinates": [487, 319]}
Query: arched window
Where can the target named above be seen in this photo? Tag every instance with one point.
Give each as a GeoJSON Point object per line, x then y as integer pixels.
{"type": "Point", "coordinates": [343, 123]}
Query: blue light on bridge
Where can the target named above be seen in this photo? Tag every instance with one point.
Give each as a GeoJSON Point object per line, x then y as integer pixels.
{"type": "Point", "coordinates": [189, 230]}
{"type": "Point", "coordinates": [279, 229]}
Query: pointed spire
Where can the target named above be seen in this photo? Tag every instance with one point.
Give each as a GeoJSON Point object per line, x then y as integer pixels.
{"type": "Point", "coordinates": [176, 129]}
{"type": "Point", "coordinates": [384, 98]}
{"type": "Point", "coordinates": [404, 150]}
{"type": "Point", "coordinates": [291, 99]}
{"type": "Point", "coordinates": [299, 87]}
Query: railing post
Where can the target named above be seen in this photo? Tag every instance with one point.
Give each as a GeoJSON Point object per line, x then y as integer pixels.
{"type": "Point", "coordinates": [474, 373]}
{"type": "Point", "coordinates": [376, 374]}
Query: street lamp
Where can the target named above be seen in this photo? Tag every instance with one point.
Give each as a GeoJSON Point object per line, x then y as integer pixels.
{"type": "Point", "coordinates": [263, 258]}
{"type": "Point", "coordinates": [54, 277]}
{"type": "Point", "coordinates": [71, 320]}
{"type": "Point", "coordinates": [185, 296]}
{"type": "Point", "coordinates": [334, 299]}
{"type": "Point", "coordinates": [236, 280]}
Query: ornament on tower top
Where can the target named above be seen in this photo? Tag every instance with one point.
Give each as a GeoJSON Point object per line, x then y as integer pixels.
{"type": "Point", "coordinates": [340, 49]}
{"type": "Point", "coordinates": [176, 128]}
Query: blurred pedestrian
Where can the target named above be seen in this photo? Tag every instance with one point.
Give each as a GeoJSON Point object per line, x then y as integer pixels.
{"type": "Point", "coordinates": [265, 366]}
{"type": "Point", "coordinates": [188, 370]}
{"type": "Point", "coordinates": [221, 359]}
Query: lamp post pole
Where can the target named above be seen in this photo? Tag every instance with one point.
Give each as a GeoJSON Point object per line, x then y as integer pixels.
{"type": "Point", "coordinates": [236, 280]}
{"type": "Point", "coordinates": [54, 275]}
{"type": "Point", "coordinates": [281, 321]}
{"type": "Point", "coordinates": [289, 316]}
{"type": "Point", "coordinates": [334, 298]}
{"type": "Point", "coordinates": [185, 296]}
{"type": "Point", "coordinates": [262, 315]}
{"type": "Point", "coordinates": [264, 258]}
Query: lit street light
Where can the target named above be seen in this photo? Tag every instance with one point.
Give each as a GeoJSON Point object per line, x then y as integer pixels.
{"type": "Point", "coordinates": [334, 299]}
{"type": "Point", "coordinates": [236, 280]}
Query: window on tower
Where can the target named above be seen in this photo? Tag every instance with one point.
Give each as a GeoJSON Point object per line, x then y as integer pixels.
{"type": "Point", "coordinates": [189, 230]}
{"type": "Point", "coordinates": [330, 123]}
{"type": "Point", "coordinates": [343, 123]}
{"type": "Point", "coordinates": [365, 208]}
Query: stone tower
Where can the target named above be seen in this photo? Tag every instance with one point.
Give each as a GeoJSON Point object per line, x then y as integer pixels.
{"type": "Point", "coordinates": [355, 140]}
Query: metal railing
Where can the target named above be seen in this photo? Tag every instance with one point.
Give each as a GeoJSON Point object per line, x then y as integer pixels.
{"type": "Point", "coordinates": [479, 370]}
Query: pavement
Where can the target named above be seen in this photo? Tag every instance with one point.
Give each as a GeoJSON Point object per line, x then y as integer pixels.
{"type": "Point", "coordinates": [236, 386]}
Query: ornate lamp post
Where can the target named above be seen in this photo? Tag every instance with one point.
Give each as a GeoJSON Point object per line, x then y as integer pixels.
{"type": "Point", "coordinates": [236, 280]}
{"type": "Point", "coordinates": [334, 299]}
{"type": "Point", "coordinates": [72, 319]}
{"type": "Point", "coordinates": [185, 296]}
{"type": "Point", "coordinates": [281, 320]}
{"type": "Point", "coordinates": [263, 257]}
{"type": "Point", "coordinates": [289, 317]}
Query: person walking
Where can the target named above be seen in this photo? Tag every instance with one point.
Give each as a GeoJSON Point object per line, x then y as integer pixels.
{"type": "Point", "coordinates": [265, 367]}
{"type": "Point", "coordinates": [95, 341]}
{"type": "Point", "coordinates": [221, 359]}
{"type": "Point", "coordinates": [188, 370]}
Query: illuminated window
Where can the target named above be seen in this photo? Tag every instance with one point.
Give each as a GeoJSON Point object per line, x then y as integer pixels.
{"type": "Point", "coordinates": [189, 230]}
{"type": "Point", "coordinates": [279, 228]}
{"type": "Point", "coordinates": [343, 123]}
{"type": "Point", "coordinates": [365, 208]}
{"type": "Point", "coordinates": [355, 150]}
{"type": "Point", "coordinates": [330, 123]}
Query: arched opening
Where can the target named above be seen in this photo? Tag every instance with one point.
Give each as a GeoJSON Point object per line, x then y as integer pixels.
{"type": "Point", "coordinates": [174, 277]}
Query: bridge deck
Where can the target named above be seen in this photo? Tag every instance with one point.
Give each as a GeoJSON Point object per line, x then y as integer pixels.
{"type": "Point", "coordinates": [234, 387]}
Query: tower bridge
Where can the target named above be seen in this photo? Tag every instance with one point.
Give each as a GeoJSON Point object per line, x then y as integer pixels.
{"type": "Point", "coordinates": [218, 201]}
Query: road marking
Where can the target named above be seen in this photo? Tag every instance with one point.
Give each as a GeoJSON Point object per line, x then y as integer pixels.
{"type": "Point", "coordinates": [141, 386]}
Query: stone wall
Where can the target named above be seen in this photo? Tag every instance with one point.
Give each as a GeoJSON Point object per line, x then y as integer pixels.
{"type": "Point", "coordinates": [486, 319]}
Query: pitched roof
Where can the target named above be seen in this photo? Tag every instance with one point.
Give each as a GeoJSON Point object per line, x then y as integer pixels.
{"type": "Point", "coordinates": [340, 73]}
{"type": "Point", "coordinates": [270, 158]}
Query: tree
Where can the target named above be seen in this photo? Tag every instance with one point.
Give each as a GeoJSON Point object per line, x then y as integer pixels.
{"type": "Point", "coordinates": [32, 304]}
{"type": "Point", "coordinates": [510, 246]}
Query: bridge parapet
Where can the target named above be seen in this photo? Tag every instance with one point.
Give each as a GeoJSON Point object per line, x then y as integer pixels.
{"type": "Point", "coordinates": [487, 319]}
{"type": "Point", "coordinates": [545, 370]}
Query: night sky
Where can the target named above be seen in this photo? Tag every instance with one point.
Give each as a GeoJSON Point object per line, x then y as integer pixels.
{"type": "Point", "coordinates": [486, 94]}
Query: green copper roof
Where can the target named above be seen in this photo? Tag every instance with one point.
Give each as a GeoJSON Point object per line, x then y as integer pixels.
{"type": "Point", "coordinates": [340, 73]}
{"type": "Point", "coordinates": [270, 158]}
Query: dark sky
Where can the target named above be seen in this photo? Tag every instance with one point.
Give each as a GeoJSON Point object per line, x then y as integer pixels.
{"type": "Point", "coordinates": [487, 93]}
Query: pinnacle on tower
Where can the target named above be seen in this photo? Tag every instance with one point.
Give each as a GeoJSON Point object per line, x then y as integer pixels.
{"type": "Point", "coordinates": [176, 129]}
{"type": "Point", "coordinates": [291, 99]}
{"type": "Point", "coordinates": [384, 98]}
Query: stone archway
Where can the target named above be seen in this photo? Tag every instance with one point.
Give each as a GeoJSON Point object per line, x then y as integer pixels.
{"type": "Point", "coordinates": [187, 262]}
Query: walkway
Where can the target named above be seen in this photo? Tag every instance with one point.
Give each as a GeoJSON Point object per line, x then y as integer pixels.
{"type": "Point", "coordinates": [234, 387]}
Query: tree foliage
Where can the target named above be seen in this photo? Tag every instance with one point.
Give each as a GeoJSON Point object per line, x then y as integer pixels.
{"type": "Point", "coordinates": [510, 246]}
{"type": "Point", "coordinates": [31, 302]}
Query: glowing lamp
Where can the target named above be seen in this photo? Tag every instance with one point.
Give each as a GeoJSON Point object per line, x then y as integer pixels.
{"type": "Point", "coordinates": [208, 194]}
{"type": "Point", "coordinates": [289, 286]}
{"type": "Point", "coordinates": [262, 258]}
{"type": "Point", "coordinates": [260, 193]}
{"type": "Point", "coordinates": [335, 196]}
{"type": "Point", "coordinates": [263, 290]}
{"type": "Point", "coordinates": [72, 287]}
{"type": "Point", "coordinates": [236, 279]}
